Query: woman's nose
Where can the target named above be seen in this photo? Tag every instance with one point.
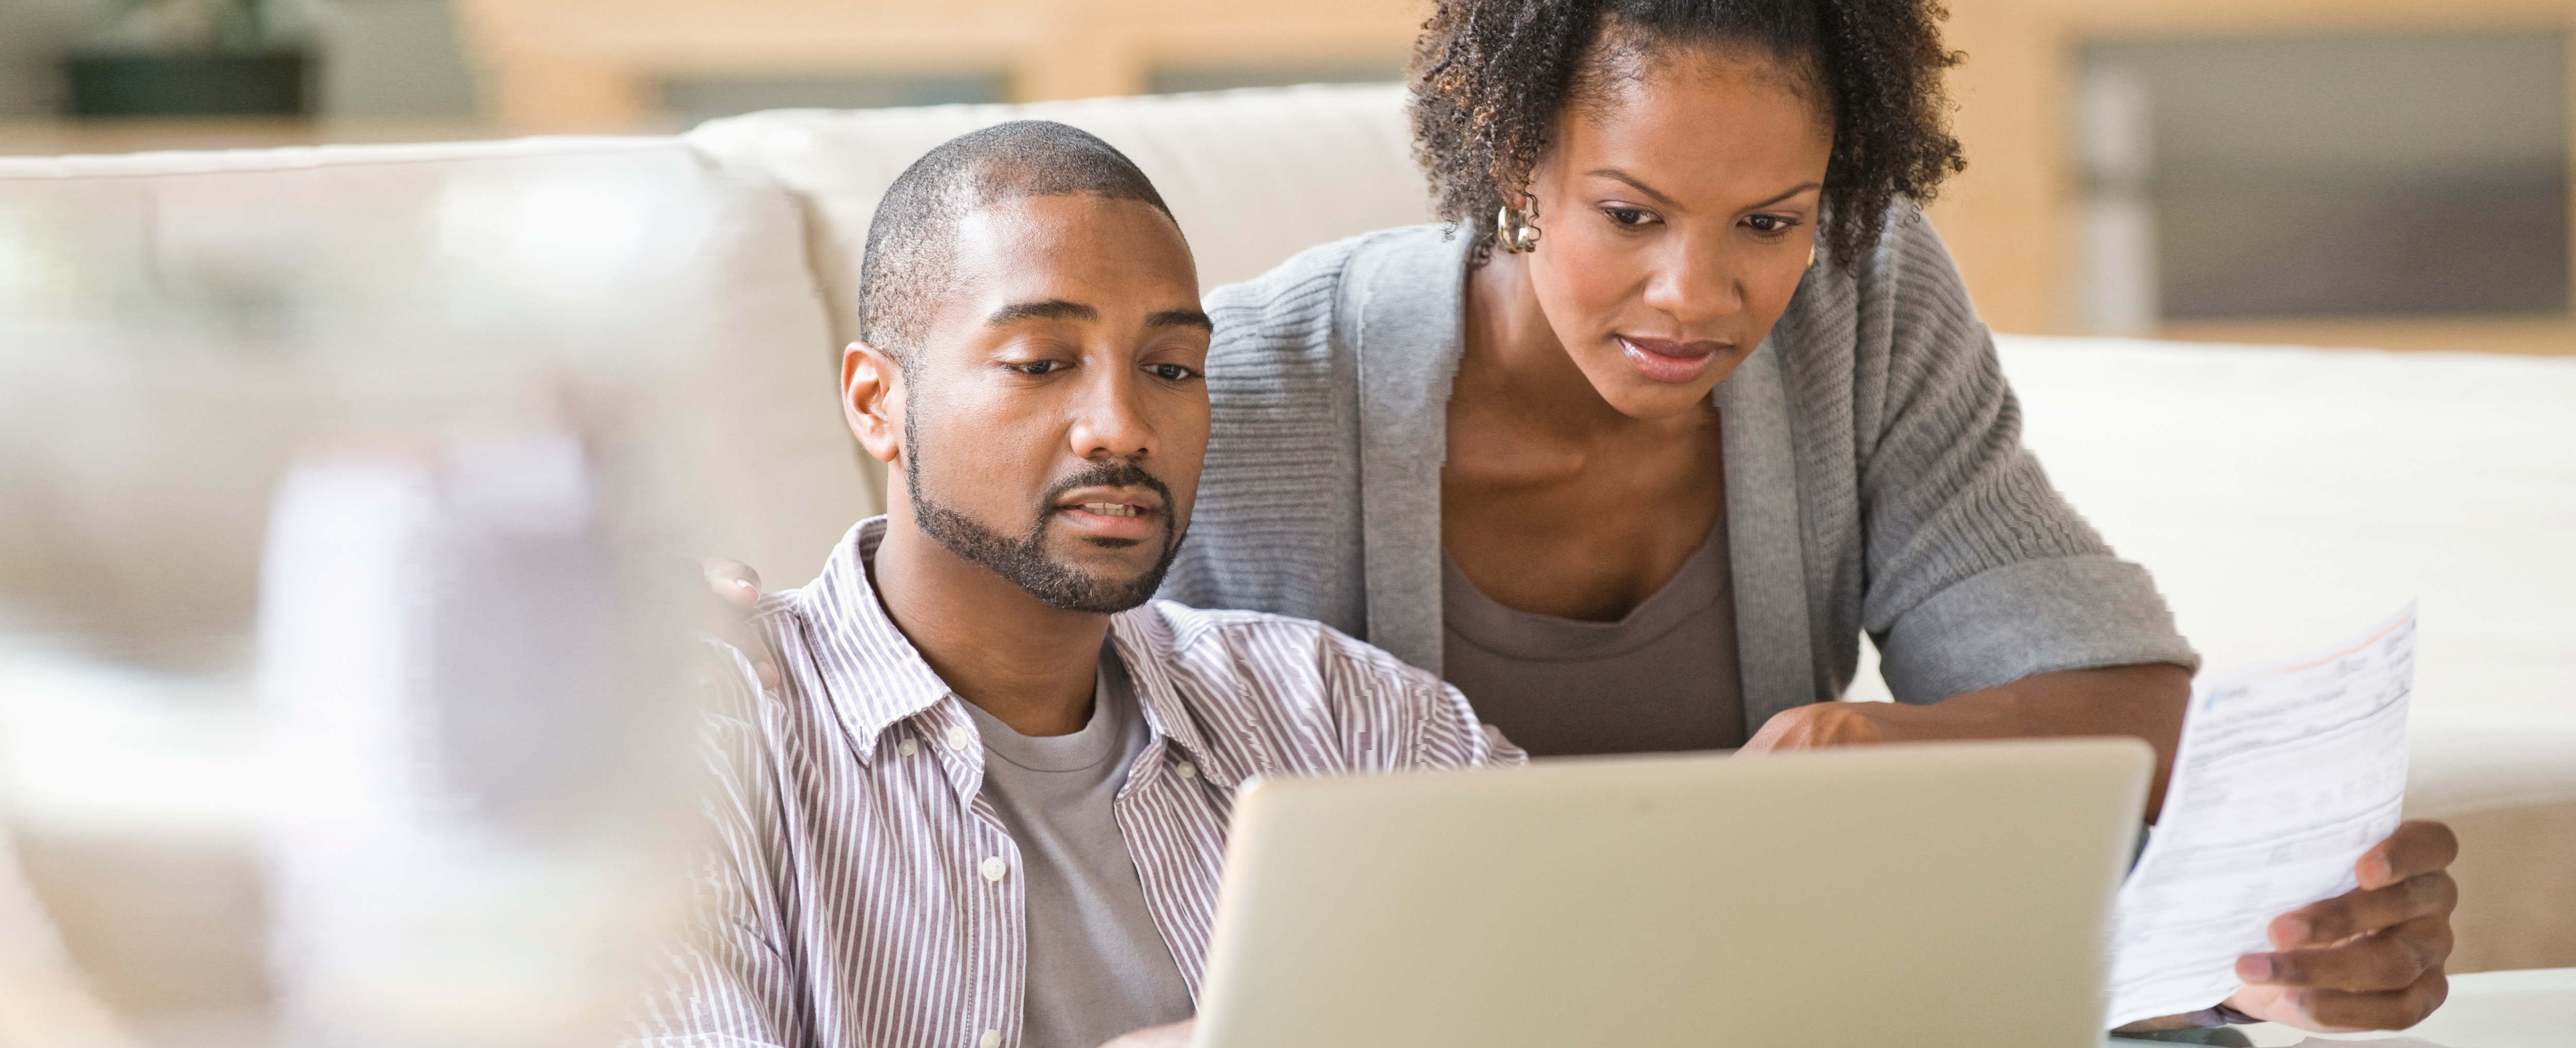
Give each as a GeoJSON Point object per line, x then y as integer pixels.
{"type": "Point", "coordinates": [1694, 284]}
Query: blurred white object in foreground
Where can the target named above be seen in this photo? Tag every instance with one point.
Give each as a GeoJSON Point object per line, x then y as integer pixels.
{"type": "Point", "coordinates": [483, 748]}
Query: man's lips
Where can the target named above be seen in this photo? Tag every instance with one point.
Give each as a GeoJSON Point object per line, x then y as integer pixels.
{"type": "Point", "coordinates": [1112, 501]}
{"type": "Point", "coordinates": [1111, 512]}
{"type": "Point", "coordinates": [1670, 360]}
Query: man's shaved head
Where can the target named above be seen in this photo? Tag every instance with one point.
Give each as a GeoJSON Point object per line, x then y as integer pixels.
{"type": "Point", "coordinates": [911, 252]}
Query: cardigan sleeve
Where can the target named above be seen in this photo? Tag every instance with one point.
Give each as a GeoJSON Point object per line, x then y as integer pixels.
{"type": "Point", "coordinates": [1978, 571]}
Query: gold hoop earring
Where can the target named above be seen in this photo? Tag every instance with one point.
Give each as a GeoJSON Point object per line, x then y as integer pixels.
{"type": "Point", "coordinates": [1512, 229]}
{"type": "Point", "coordinates": [1811, 256]}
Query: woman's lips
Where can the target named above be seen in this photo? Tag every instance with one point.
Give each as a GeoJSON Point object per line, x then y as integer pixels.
{"type": "Point", "coordinates": [1665, 360]}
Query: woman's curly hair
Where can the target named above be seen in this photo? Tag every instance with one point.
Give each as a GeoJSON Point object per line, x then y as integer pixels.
{"type": "Point", "coordinates": [1490, 76]}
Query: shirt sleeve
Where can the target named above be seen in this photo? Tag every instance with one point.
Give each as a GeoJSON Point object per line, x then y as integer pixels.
{"type": "Point", "coordinates": [1979, 572]}
{"type": "Point", "coordinates": [729, 981]}
{"type": "Point", "coordinates": [1433, 724]}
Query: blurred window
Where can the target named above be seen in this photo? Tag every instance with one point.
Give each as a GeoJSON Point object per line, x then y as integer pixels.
{"type": "Point", "coordinates": [706, 98]}
{"type": "Point", "coordinates": [1177, 79]}
{"type": "Point", "coordinates": [2328, 176]}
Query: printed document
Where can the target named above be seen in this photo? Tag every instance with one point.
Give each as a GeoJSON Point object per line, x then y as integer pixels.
{"type": "Point", "coordinates": [2286, 774]}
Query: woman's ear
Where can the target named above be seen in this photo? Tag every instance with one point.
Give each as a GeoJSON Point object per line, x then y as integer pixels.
{"type": "Point", "coordinates": [872, 400]}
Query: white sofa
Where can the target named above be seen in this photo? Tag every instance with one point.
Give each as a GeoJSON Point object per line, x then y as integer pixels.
{"type": "Point", "coordinates": [175, 327]}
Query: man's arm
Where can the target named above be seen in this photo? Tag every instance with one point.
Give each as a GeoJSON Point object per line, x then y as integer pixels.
{"type": "Point", "coordinates": [1386, 714]}
{"type": "Point", "coordinates": [731, 978]}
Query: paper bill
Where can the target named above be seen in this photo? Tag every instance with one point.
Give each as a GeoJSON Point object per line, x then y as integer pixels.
{"type": "Point", "coordinates": [2286, 774]}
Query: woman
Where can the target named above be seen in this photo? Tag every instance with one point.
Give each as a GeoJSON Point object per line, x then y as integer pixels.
{"type": "Point", "coordinates": [1542, 455]}
{"type": "Point", "coordinates": [1685, 397]}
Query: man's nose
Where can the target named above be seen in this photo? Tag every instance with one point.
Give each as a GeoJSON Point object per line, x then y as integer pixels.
{"type": "Point", "coordinates": [1108, 418]}
{"type": "Point", "coordinates": [1696, 281]}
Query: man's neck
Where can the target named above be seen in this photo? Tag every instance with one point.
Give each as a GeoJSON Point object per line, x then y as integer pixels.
{"type": "Point", "coordinates": [1031, 666]}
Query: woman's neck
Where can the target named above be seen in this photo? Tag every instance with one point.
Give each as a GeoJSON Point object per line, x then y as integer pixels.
{"type": "Point", "coordinates": [1513, 365]}
{"type": "Point", "coordinates": [1538, 460]}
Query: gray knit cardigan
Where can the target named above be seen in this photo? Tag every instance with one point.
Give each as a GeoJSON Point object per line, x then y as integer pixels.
{"type": "Point", "coordinates": [1875, 477]}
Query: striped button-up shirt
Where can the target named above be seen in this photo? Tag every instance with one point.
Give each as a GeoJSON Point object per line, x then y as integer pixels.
{"type": "Point", "coordinates": [865, 893]}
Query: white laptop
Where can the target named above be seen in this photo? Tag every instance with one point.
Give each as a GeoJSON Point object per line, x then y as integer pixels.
{"type": "Point", "coordinates": [1909, 894]}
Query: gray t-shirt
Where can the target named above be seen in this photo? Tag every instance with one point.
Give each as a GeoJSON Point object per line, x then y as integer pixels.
{"type": "Point", "coordinates": [1097, 966]}
{"type": "Point", "coordinates": [1662, 678]}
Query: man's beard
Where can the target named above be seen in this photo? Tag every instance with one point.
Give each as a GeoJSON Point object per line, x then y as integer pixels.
{"type": "Point", "coordinates": [1024, 561]}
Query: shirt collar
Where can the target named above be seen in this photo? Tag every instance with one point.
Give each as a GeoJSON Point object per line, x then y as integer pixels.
{"type": "Point", "coordinates": [875, 679]}
{"type": "Point", "coordinates": [871, 673]}
{"type": "Point", "coordinates": [1147, 646]}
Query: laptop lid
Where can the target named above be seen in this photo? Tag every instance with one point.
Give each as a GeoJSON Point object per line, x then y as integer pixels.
{"type": "Point", "coordinates": [1887, 894]}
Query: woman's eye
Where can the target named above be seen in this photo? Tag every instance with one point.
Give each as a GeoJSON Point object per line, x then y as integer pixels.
{"type": "Point", "coordinates": [1771, 224]}
{"type": "Point", "coordinates": [1628, 216]}
{"type": "Point", "coordinates": [1172, 372]}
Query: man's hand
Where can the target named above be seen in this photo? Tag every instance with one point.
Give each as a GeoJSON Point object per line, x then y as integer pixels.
{"type": "Point", "coordinates": [1176, 1035]}
{"type": "Point", "coordinates": [2371, 958]}
{"type": "Point", "coordinates": [737, 585]}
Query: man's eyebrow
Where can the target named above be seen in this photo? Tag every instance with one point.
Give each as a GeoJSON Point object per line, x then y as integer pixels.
{"type": "Point", "coordinates": [1612, 172]}
{"type": "Point", "coordinates": [1181, 318]}
{"type": "Point", "coordinates": [1051, 309]}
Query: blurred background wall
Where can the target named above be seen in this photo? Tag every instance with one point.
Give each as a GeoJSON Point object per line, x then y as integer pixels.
{"type": "Point", "coordinates": [375, 58]}
{"type": "Point", "coordinates": [2268, 170]}
{"type": "Point", "coordinates": [2346, 172]}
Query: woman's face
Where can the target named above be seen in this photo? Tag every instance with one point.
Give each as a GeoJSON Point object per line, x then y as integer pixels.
{"type": "Point", "coordinates": [1677, 210]}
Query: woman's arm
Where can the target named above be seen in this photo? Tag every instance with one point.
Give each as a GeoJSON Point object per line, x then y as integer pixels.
{"type": "Point", "coordinates": [1972, 571]}
{"type": "Point", "coordinates": [2144, 702]}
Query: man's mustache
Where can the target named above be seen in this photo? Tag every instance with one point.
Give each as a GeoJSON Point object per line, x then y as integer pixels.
{"type": "Point", "coordinates": [1119, 474]}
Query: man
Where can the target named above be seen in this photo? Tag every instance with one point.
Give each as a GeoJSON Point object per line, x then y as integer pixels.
{"type": "Point", "coordinates": [985, 801]}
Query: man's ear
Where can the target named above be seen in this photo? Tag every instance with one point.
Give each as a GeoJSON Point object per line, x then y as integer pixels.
{"type": "Point", "coordinates": [872, 400]}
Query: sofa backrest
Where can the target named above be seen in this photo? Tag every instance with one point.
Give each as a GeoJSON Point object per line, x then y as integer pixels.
{"type": "Point", "coordinates": [1253, 176]}
{"type": "Point", "coordinates": [2287, 497]}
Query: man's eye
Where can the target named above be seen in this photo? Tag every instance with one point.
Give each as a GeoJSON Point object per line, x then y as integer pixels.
{"type": "Point", "coordinates": [1172, 372]}
{"type": "Point", "coordinates": [1038, 367]}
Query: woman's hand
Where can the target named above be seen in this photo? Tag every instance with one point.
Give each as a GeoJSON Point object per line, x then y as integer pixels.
{"type": "Point", "coordinates": [737, 585]}
{"type": "Point", "coordinates": [1817, 726]}
{"type": "Point", "coordinates": [2371, 958]}
{"type": "Point", "coordinates": [1177, 1035]}
{"type": "Point", "coordinates": [2144, 702]}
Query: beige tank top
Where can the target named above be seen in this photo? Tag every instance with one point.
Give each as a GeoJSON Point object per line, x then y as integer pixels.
{"type": "Point", "coordinates": [1662, 678]}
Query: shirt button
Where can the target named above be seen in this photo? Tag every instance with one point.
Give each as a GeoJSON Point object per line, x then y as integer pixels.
{"type": "Point", "coordinates": [957, 738]}
{"type": "Point", "coordinates": [991, 1039]}
{"type": "Point", "coordinates": [907, 747]}
{"type": "Point", "coordinates": [994, 868]}
{"type": "Point", "coordinates": [1186, 770]}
